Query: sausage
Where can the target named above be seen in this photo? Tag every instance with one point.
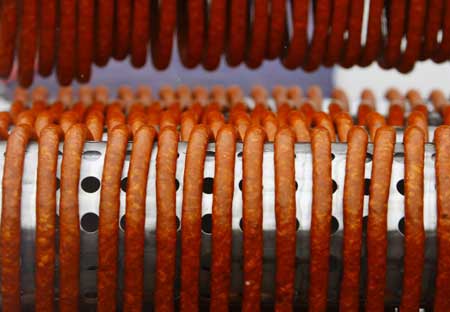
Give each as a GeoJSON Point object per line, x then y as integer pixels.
{"type": "Point", "coordinates": [108, 230]}
{"type": "Point", "coordinates": [315, 96]}
{"type": "Point", "coordinates": [140, 32]}
{"type": "Point", "coordinates": [270, 124]}
{"type": "Point", "coordinates": [10, 228]}
{"type": "Point", "coordinates": [252, 202]}
{"type": "Point", "coordinates": [188, 121]}
{"type": "Point", "coordinates": [122, 26]}
{"type": "Point", "coordinates": [433, 24]}
{"type": "Point", "coordinates": [47, 37]}
{"type": "Point", "coordinates": [215, 121]}
{"type": "Point", "coordinates": [4, 125]}
{"type": "Point", "coordinates": [295, 50]}
{"type": "Point", "coordinates": [68, 119]}
{"type": "Point", "coordinates": [164, 15]}
{"type": "Point", "coordinates": [8, 28]}
{"type": "Point", "coordinates": [323, 120]}
{"type": "Point", "coordinates": [104, 32]}
{"type": "Point", "coordinates": [85, 40]}
{"type": "Point", "coordinates": [374, 33]}
{"type": "Point", "coordinates": [242, 122]}
{"type": "Point", "coordinates": [285, 214]}
{"type": "Point", "coordinates": [223, 190]}
{"type": "Point", "coordinates": [27, 42]}
{"type": "Point", "coordinates": [322, 13]}
{"type": "Point", "coordinates": [94, 123]}
{"type": "Point", "coordinates": [277, 27]}
{"type": "Point", "coordinates": [344, 123]}
{"type": "Point", "coordinates": [377, 219]}
{"type": "Point", "coordinates": [396, 26]}
{"type": "Point", "coordinates": [191, 32]}
{"type": "Point", "coordinates": [352, 48]}
{"type": "Point", "coordinates": [153, 114]}
{"type": "Point", "coordinates": [45, 217]}
{"type": "Point", "coordinates": [414, 244]}
{"type": "Point", "coordinates": [419, 120]}
{"type": "Point", "coordinates": [320, 219]}
{"type": "Point", "coordinates": [135, 218]}
{"type": "Point", "coordinates": [166, 231]}
{"type": "Point", "coordinates": [69, 232]}
{"type": "Point", "coordinates": [442, 166]}
{"type": "Point", "coordinates": [396, 108]}
{"type": "Point", "coordinates": [353, 202]}
{"type": "Point", "coordinates": [191, 218]}
{"type": "Point", "coordinates": [414, 35]}
{"type": "Point", "coordinates": [237, 40]}
{"type": "Point", "coordinates": [338, 25]}
{"type": "Point", "coordinates": [258, 34]}
{"type": "Point", "coordinates": [374, 122]}
{"type": "Point", "coordinates": [67, 42]}
{"type": "Point", "coordinates": [216, 32]}
{"type": "Point", "coordinates": [298, 125]}
{"type": "Point", "coordinates": [442, 52]}
{"type": "Point", "coordinates": [17, 106]}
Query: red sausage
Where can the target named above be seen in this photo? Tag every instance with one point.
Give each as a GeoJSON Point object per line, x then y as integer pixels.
{"type": "Point", "coordinates": [191, 218]}
{"type": "Point", "coordinates": [10, 224]}
{"type": "Point", "coordinates": [285, 212]}
{"type": "Point", "coordinates": [166, 231]}
{"type": "Point", "coordinates": [353, 210]}
{"type": "Point", "coordinates": [221, 218]}
{"type": "Point", "coordinates": [377, 220]}
{"type": "Point", "coordinates": [108, 230]}
{"type": "Point", "coordinates": [135, 218]}
{"type": "Point", "coordinates": [252, 202]}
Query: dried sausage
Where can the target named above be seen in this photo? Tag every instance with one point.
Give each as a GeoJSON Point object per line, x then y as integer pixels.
{"type": "Point", "coordinates": [108, 230]}
{"type": "Point", "coordinates": [191, 218]}
{"type": "Point", "coordinates": [10, 224]}
{"type": "Point", "coordinates": [166, 231]}
{"type": "Point", "coordinates": [223, 189]}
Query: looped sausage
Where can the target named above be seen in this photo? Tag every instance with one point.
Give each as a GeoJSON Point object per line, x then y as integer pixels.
{"type": "Point", "coordinates": [108, 230]}
{"type": "Point", "coordinates": [10, 229]}
{"type": "Point", "coordinates": [191, 218]}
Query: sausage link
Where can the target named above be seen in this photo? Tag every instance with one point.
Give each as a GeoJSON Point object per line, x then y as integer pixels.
{"type": "Point", "coordinates": [353, 211]}
{"type": "Point", "coordinates": [47, 37]}
{"type": "Point", "coordinates": [285, 212]}
{"type": "Point", "coordinates": [104, 32]}
{"type": "Point", "coordinates": [338, 25]}
{"type": "Point", "coordinates": [10, 228]}
{"type": "Point", "coordinates": [166, 231]}
{"type": "Point", "coordinates": [191, 32]}
{"type": "Point", "coordinates": [374, 33]}
{"type": "Point", "coordinates": [298, 125]}
{"type": "Point", "coordinates": [418, 119]}
{"type": "Point", "coordinates": [442, 166]}
{"type": "Point", "coordinates": [277, 27]}
{"type": "Point", "coordinates": [252, 217]}
{"type": "Point", "coordinates": [223, 190]}
{"type": "Point", "coordinates": [270, 124]}
{"type": "Point", "coordinates": [344, 123]}
{"type": "Point", "coordinates": [321, 119]}
{"type": "Point", "coordinates": [395, 14]}
{"type": "Point", "coordinates": [5, 119]}
{"type": "Point", "coordinates": [124, 9]}
{"type": "Point", "coordinates": [140, 34]}
{"type": "Point", "coordinates": [296, 49]}
{"type": "Point", "coordinates": [414, 244]}
{"type": "Point", "coordinates": [237, 38]}
{"type": "Point", "coordinates": [433, 24]}
{"type": "Point", "coordinates": [69, 220]}
{"type": "Point", "coordinates": [164, 17]}
{"type": "Point", "coordinates": [188, 122]}
{"type": "Point", "coordinates": [108, 230]}
{"type": "Point", "coordinates": [258, 34]}
{"type": "Point", "coordinates": [191, 218]}
{"type": "Point", "coordinates": [135, 218]}
{"type": "Point", "coordinates": [8, 28]}
{"type": "Point", "coordinates": [352, 48]}
{"type": "Point", "coordinates": [377, 220]}
{"type": "Point", "coordinates": [322, 14]}
{"type": "Point", "coordinates": [67, 41]}
{"type": "Point", "coordinates": [85, 39]}
{"type": "Point", "coordinates": [320, 219]}
{"type": "Point", "coordinates": [216, 31]}
{"type": "Point", "coordinates": [45, 217]}
{"type": "Point", "coordinates": [374, 122]}
{"type": "Point", "coordinates": [27, 42]}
